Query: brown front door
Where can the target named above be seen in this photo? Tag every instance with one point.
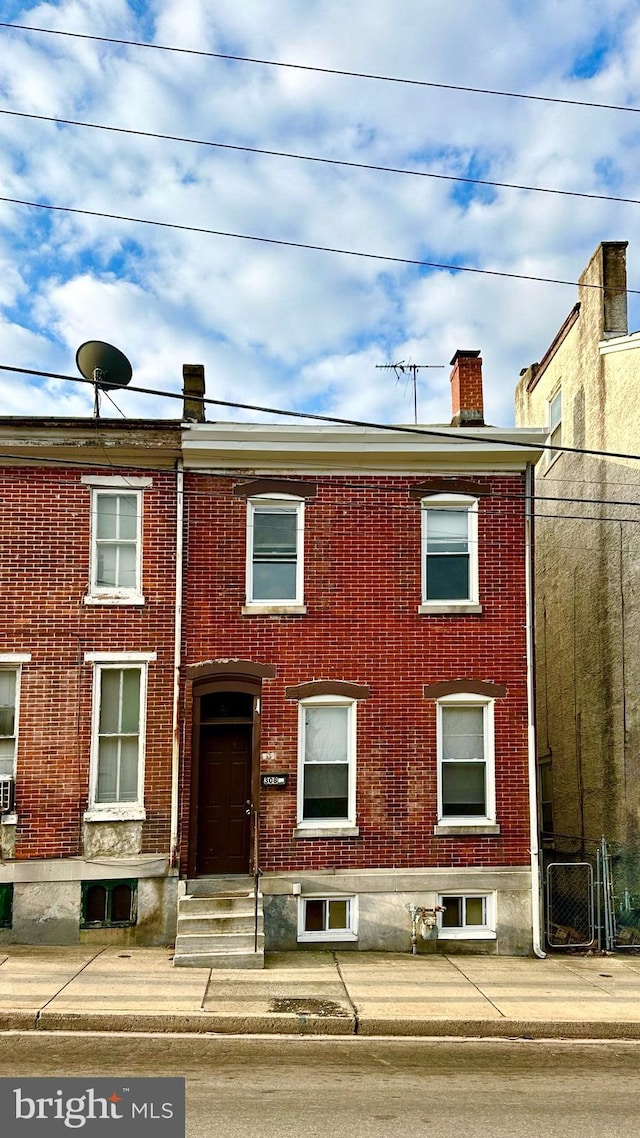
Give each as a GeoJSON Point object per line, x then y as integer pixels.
{"type": "Point", "coordinates": [224, 796]}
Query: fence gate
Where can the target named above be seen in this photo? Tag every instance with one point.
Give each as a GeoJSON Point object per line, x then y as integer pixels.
{"type": "Point", "coordinates": [570, 904]}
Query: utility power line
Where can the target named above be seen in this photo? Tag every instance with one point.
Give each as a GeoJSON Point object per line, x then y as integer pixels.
{"type": "Point", "coordinates": [453, 433]}
{"type": "Point", "coordinates": [386, 257]}
{"type": "Point", "coordinates": [342, 162]}
{"type": "Point", "coordinates": [322, 70]}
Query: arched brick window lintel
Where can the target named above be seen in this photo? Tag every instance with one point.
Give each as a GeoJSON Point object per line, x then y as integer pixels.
{"type": "Point", "coordinates": [328, 687]}
{"type": "Point", "coordinates": [450, 486]}
{"type": "Point", "coordinates": [268, 486]}
{"type": "Point", "coordinates": [483, 688]}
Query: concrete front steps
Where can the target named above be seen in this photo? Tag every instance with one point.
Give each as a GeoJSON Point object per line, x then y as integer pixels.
{"type": "Point", "coordinates": [217, 924]}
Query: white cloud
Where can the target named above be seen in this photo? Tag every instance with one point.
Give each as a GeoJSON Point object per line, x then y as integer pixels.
{"type": "Point", "coordinates": [288, 327]}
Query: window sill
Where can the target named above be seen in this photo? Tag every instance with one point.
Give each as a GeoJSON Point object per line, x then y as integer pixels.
{"type": "Point", "coordinates": [9, 819]}
{"type": "Point", "coordinates": [450, 609]}
{"type": "Point", "coordinates": [450, 829]}
{"type": "Point", "coordinates": [326, 831]}
{"type": "Point", "coordinates": [273, 610]}
{"type": "Point", "coordinates": [467, 934]}
{"type": "Point", "coordinates": [115, 813]}
{"type": "Point", "coordinates": [329, 937]}
{"type": "Point", "coordinates": [113, 599]}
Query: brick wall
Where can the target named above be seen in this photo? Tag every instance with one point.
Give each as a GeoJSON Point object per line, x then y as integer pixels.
{"type": "Point", "coordinates": [44, 571]}
{"type": "Point", "coordinates": [362, 590]}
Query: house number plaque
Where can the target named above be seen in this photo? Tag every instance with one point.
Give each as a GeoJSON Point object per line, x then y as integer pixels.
{"type": "Point", "coordinates": [274, 780]}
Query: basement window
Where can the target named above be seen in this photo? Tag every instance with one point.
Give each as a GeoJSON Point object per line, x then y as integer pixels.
{"type": "Point", "coordinates": [467, 916]}
{"type": "Point", "coordinates": [327, 918]}
{"type": "Point", "coordinates": [109, 904]}
{"type": "Point", "coordinates": [6, 905]}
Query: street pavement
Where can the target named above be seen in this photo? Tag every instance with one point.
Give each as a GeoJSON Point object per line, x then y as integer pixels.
{"type": "Point", "coordinates": [321, 993]}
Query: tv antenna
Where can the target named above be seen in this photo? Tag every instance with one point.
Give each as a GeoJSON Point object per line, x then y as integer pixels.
{"type": "Point", "coordinates": [104, 366]}
{"type": "Point", "coordinates": [410, 370]}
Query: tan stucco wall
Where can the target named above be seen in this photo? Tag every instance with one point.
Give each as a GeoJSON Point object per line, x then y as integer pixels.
{"type": "Point", "coordinates": [587, 580]}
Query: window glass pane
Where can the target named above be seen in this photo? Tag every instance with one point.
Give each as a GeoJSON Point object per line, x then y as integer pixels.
{"type": "Point", "coordinates": [463, 789]}
{"type": "Point", "coordinates": [226, 705]}
{"type": "Point", "coordinates": [128, 770]}
{"type": "Point", "coordinates": [314, 916]}
{"type": "Point", "coordinates": [127, 516]}
{"type": "Point", "coordinates": [130, 700]}
{"type": "Point", "coordinates": [274, 581]}
{"type": "Point", "coordinates": [6, 721]}
{"type": "Point", "coordinates": [7, 688]}
{"type": "Point", "coordinates": [452, 916]}
{"type": "Point", "coordinates": [475, 911]}
{"type": "Point", "coordinates": [448, 577]}
{"type": "Point", "coordinates": [463, 732]}
{"type": "Point", "coordinates": [274, 534]}
{"type": "Point", "coordinates": [7, 757]}
{"type": "Point", "coordinates": [126, 566]}
{"type": "Point", "coordinates": [326, 734]}
{"type": "Point", "coordinates": [338, 914]}
{"type": "Point", "coordinates": [106, 515]}
{"type": "Point", "coordinates": [107, 787]}
{"type": "Point", "coordinates": [96, 904]}
{"type": "Point", "coordinates": [106, 568]}
{"type": "Point", "coordinates": [121, 903]}
{"type": "Point", "coordinates": [110, 681]}
{"type": "Point", "coordinates": [447, 531]}
{"type": "Point", "coordinates": [326, 791]}
{"type": "Point", "coordinates": [555, 411]}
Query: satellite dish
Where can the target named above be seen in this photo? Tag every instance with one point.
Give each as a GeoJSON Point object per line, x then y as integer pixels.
{"type": "Point", "coordinates": [103, 364]}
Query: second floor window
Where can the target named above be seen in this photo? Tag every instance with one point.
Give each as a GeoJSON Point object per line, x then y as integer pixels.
{"type": "Point", "coordinates": [115, 553]}
{"type": "Point", "coordinates": [275, 551]}
{"type": "Point", "coordinates": [449, 550]}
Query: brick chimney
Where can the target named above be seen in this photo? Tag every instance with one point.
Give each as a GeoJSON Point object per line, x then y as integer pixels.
{"type": "Point", "coordinates": [466, 390]}
{"type": "Point", "coordinates": [193, 391]}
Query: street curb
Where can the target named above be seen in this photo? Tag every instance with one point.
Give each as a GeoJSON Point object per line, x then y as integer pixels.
{"type": "Point", "coordinates": [205, 1023]}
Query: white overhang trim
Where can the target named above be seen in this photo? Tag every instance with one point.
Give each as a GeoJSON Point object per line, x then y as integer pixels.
{"type": "Point", "coordinates": [117, 481]}
{"type": "Point", "coordinates": [120, 657]}
{"type": "Point", "coordinates": [15, 657]}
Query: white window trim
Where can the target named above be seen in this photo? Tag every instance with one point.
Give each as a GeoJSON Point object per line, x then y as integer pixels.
{"type": "Point", "coordinates": [106, 594]}
{"type": "Point", "coordinates": [470, 932]}
{"type": "Point", "coordinates": [285, 604]}
{"type": "Point", "coordinates": [552, 456]}
{"type": "Point", "coordinates": [349, 934]}
{"type": "Point", "coordinates": [469, 822]}
{"type": "Point", "coordinates": [325, 827]}
{"type": "Point", "coordinates": [117, 811]}
{"type": "Point", "coordinates": [12, 662]}
{"type": "Point", "coordinates": [462, 502]}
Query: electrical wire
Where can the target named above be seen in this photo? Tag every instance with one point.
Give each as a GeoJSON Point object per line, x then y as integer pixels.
{"type": "Point", "coordinates": [386, 257]}
{"type": "Point", "coordinates": [322, 70]}
{"type": "Point", "coordinates": [318, 159]}
{"type": "Point", "coordinates": [444, 432]}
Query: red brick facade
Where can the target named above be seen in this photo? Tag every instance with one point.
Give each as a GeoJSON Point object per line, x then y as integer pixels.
{"type": "Point", "coordinates": [44, 569]}
{"type": "Point", "coordinates": [362, 592]}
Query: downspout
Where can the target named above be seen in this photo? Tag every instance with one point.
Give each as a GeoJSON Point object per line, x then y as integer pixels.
{"type": "Point", "coordinates": [175, 746]}
{"type": "Point", "coordinates": [536, 908]}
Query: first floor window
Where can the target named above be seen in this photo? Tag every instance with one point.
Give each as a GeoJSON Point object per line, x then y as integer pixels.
{"type": "Point", "coordinates": [117, 741]}
{"type": "Point", "coordinates": [450, 550]}
{"type": "Point", "coordinates": [465, 760]}
{"type": "Point", "coordinates": [8, 706]}
{"type": "Point", "coordinates": [466, 915]}
{"type": "Point", "coordinates": [275, 551]}
{"type": "Point", "coordinates": [108, 904]}
{"type": "Point", "coordinates": [326, 918]}
{"type": "Point", "coordinates": [327, 761]}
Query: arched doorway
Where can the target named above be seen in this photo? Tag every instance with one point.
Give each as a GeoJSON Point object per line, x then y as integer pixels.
{"type": "Point", "coordinates": [225, 757]}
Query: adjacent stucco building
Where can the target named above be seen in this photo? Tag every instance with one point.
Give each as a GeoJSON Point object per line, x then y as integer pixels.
{"type": "Point", "coordinates": [586, 388]}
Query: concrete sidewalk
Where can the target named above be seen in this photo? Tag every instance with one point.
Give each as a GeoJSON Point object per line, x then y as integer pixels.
{"type": "Point", "coordinates": [321, 993]}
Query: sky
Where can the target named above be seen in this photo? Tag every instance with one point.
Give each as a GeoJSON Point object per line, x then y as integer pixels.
{"type": "Point", "coordinates": [276, 325]}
